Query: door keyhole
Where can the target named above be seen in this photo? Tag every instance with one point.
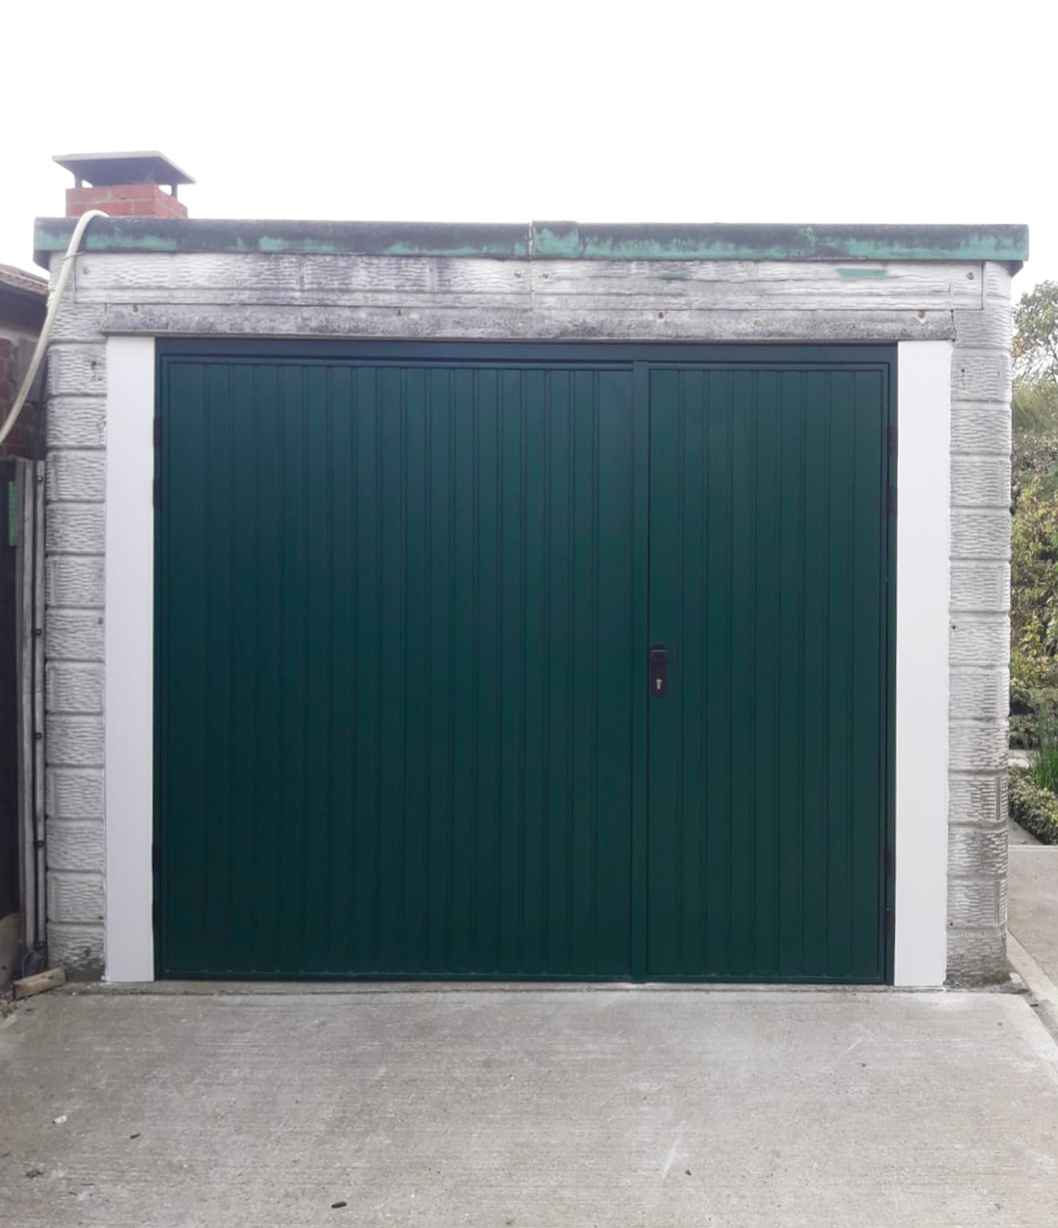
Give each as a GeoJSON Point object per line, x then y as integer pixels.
{"type": "Point", "coordinates": [658, 658]}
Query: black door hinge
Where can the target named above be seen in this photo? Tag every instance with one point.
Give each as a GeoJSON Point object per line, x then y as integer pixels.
{"type": "Point", "coordinates": [888, 922]}
{"type": "Point", "coordinates": [890, 500]}
{"type": "Point", "coordinates": [155, 491]}
{"type": "Point", "coordinates": [156, 855]}
{"type": "Point", "coordinates": [890, 439]}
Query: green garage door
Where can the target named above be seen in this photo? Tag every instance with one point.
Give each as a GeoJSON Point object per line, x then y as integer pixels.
{"type": "Point", "coordinates": [520, 662]}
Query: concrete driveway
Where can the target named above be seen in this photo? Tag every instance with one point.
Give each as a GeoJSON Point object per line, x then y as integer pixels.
{"type": "Point", "coordinates": [529, 1108]}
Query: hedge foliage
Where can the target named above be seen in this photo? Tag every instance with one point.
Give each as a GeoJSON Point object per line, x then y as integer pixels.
{"type": "Point", "coordinates": [1034, 808]}
{"type": "Point", "coordinates": [1034, 532]}
{"type": "Point", "coordinates": [1034, 580]}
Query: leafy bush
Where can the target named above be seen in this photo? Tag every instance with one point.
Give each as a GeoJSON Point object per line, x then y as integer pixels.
{"type": "Point", "coordinates": [1034, 534]}
{"type": "Point", "coordinates": [1034, 611]}
{"type": "Point", "coordinates": [1034, 456]}
{"type": "Point", "coordinates": [1022, 730]}
{"type": "Point", "coordinates": [1033, 696]}
{"type": "Point", "coordinates": [1035, 406]}
{"type": "Point", "coordinates": [1033, 808]}
{"type": "Point", "coordinates": [1036, 333]}
{"type": "Point", "coordinates": [1026, 674]}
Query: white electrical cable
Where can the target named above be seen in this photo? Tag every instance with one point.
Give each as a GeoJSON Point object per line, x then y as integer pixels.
{"type": "Point", "coordinates": [49, 320]}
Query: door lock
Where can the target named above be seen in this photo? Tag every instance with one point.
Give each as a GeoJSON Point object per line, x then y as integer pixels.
{"type": "Point", "coordinates": [658, 670]}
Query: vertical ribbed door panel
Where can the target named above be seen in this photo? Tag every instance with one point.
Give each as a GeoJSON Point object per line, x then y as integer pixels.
{"type": "Point", "coordinates": [768, 753]}
{"type": "Point", "coordinates": [396, 669]}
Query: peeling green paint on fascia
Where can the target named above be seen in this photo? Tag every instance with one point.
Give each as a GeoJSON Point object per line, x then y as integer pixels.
{"type": "Point", "coordinates": [48, 241]}
{"type": "Point", "coordinates": [45, 240]}
{"type": "Point", "coordinates": [195, 235]}
{"type": "Point", "coordinates": [551, 241]}
{"type": "Point", "coordinates": [486, 249]}
{"type": "Point", "coordinates": [955, 243]}
{"type": "Point", "coordinates": [310, 247]}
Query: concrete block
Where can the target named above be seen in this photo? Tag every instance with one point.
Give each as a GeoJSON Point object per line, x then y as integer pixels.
{"type": "Point", "coordinates": [977, 798]}
{"type": "Point", "coordinates": [980, 482]}
{"type": "Point", "coordinates": [74, 741]}
{"type": "Point", "coordinates": [75, 580]}
{"type": "Point", "coordinates": [76, 369]}
{"type": "Point", "coordinates": [77, 845]}
{"type": "Point", "coordinates": [988, 329]}
{"type": "Point", "coordinates": [978, 956]}
{"type": "Point", "coordinates": [73, 687]}
{"type": "Point", "coordinates": [76, 422]}
{"type": "Point", "coordinates": [977, 746]}
{"type": "Point", "coordinates": [980, 851]}
{"type": "Point", "coordinates": [979, 695]}
{"type": "Point", "coordinates": [976, 903]}
{"type": "Point", "coordinates": [74, 528]}
{"type": "Point", "coordinates": [74, 793]}
{"type": "Point", "coordinates": [981, 428]}
{"type": "Point", "coordinates": [980, 534]}
{"type": "Point", "coordinates": [76, 476]}
{"type": "Point", "coordinates": [75, 897]}
{"type": "Point", "coordinates": [73, 635]}
{"type": "Point", "coordinates": [980, 375]}
{"type": "Point", "coordinates": [980, 587]}
{"type": "Point", "coordinates": [979, 640]}
{"type": "Point", "coordinates": [78, 949]}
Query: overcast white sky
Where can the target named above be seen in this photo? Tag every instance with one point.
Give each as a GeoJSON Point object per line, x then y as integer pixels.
{"type": "Point", "coordinates": [814, 112]}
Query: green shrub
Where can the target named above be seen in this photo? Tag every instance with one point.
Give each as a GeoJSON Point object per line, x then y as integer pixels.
{"type": "Point", "coordinates": [1023, 730]}
{"type": "Point", "coordinates": [1034, 411]}
{"type": "Point", "coordinates": [1023, 678]}
{"type": "Point", "coordinates": [1043, 762]}
{"type": "Point", "coordinates": [1034, 533]}
{"type": "Point", "coordinates": [1034, 573]}
{"type": "Point", "coordinates": [1033, 808]}
{"type": "Point", "coordinates": [1034, 700]}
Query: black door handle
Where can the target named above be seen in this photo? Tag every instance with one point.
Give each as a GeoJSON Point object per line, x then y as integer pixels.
{"type": "Point", "coordinates": [658, 669]}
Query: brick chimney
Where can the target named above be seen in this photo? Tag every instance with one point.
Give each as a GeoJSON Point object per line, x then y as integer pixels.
{"type": "Point", "coordinates": [124, 184]}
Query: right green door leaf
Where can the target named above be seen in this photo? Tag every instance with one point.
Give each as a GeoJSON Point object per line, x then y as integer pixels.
{"type": "Point", "coordinates": [768, 750]}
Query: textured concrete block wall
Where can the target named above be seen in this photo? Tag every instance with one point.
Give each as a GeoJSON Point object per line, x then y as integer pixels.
{"type": "Point", "coordinates": [980, 634]}
{"type": "Point", "coordinates": [75, 491]}
{"type": "Point", "coordinates": [365, 296]}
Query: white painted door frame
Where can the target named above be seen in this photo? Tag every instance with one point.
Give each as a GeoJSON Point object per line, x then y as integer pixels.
{"type": "Point", "coordinates": [128, 702]}
{"type": "Point", "coordinates": [923, 588]}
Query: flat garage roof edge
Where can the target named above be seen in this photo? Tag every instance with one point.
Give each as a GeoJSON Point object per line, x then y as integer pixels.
{"type": "Point", "coordinates": [542, 240]}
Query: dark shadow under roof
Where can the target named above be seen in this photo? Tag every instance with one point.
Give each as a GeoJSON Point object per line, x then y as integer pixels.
{"type": "Point", "coordinates": [23, 296]}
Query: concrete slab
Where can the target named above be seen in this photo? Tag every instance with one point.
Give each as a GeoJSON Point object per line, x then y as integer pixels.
{"type": "Point", "coordinates": [536, 1108]}
{"type": "Point", "coordinates": [1032, 903]}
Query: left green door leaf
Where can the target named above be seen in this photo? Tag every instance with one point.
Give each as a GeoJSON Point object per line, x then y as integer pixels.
{"type": "Point", "coordinates": [398, 608]}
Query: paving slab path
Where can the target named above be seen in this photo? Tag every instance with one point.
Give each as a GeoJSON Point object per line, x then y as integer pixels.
{"type": "Point", "coordinates": [528, 1107]}
{"type": "Point", "coordinates": [1032, 903]}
